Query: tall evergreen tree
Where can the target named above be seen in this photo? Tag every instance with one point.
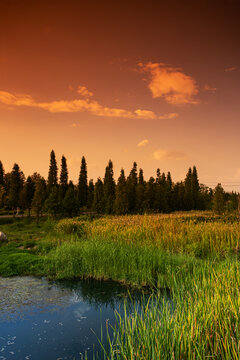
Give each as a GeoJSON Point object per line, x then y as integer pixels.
{"type": "Point", "coordinates": [39, 197]}
{"type": "Point", "coordinates": [53, 202]}
{"type": "Point", "coordinates": [121, 201]}
{"type": "Point", "coordinates": [53, 172]}
{"type": "Point", "coordinates": [218, 199]}
{"type": "Point", "coordinates": [169, 191]}
{"type": "Point", "coordinates": [63, 177]}
{"type": "Point", "coordinates": [132, 181]}
{"type": "Point", "coordinates": [98, 197]}
{"type": "Point", "coordinates": [109, 188]}
{"type": "Point", "coordinates": [195, 189]}
{"type": "Point", "coordinates": [83, 184]}
{"type": "Point", "coordinates": [70, 202]}
{"type": "Point", "coordinates": [27, 194]}
{"type": "Point", "coordinates": [90, 194]}
{"type": "Point", "coordinates": [150, 194]}
{"type": "Point", "coordinates": [140, 193]}
{"type": "Point", "coordinates": [16, 185]}
{"type": "Point", "coordinates": [188, 198]}
{"type": "Point", "coordinates": [1, 174]}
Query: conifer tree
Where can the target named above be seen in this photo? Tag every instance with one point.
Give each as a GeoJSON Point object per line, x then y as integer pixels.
{"type": "Point", "coordinates": [109, 189]}
{"type": "Point", "coordinates": [150, 194]}
{"type": "Point", "coordinates": [121, 201]}
{"type": "Point", "coordinates": [188, 198]}
{"type": "Point", "coordinates": [132, 181]}
{"type": "Point", "coordinates": [218, 199]}
{"type": "Point", "coordinates": [98, 197]}
{"type": "Point", "coordinates": [140, 193]}
{"type": "Point", "coordinates": [39, 197]}
{"type": "Point", "coordinates": [83, 184]}
{"type": "Point", "coordinates": [169, 191]}
{"type": "Point", "coordinates": [53, 202]}
{"type": "Point", "coordinates": [16, 184]}
{"type": "Point", "coordinates": [27, 194]}
{"type": "Point", "coordinates": [195, 188]}
{"type": "Point", "coordinates": [90, 194]}
{"type": "Point", "coordinates": [63, 177]}
{"type": "Point", "coordinates": [70, 202]}
{"type": "Point", "coordinates": [1, 174]}
{"type": "Point", "coordinates": [53, 172]}
{"type": "Point", "coordinates": [164, 207]}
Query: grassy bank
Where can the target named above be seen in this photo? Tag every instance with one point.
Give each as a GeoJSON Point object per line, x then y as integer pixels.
{"type": "Point", "coordinates": [195, 255]}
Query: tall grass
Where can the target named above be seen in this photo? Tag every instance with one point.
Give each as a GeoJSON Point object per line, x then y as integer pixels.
{"type": "Point", "coordinates": [201, 321]}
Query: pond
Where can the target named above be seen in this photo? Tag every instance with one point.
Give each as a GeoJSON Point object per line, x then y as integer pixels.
{"type": "Point", "coordinates": [40, 319]}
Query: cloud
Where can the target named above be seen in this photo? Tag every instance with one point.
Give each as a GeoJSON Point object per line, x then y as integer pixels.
{"type": "Point", "coordinates": [230, 69]}
{"type": "Point", "coordinates": [143, 143]}
{"type": "Point", "coordinates": [171, 84]}
{"type": "Point", "coordinates": [209, 88]}
{"type": "Point", "coordinates": [78, 105]}
{"type": "Point", "coordinates": [168, 116]}
{"type": "Point", "coordinates": [83, 91]}
{"type": "Point", "coordinates": [164, 154]}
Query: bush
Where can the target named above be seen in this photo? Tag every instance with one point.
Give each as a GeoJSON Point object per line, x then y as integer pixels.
{"type": "Point", "coordinates": [71, 226]}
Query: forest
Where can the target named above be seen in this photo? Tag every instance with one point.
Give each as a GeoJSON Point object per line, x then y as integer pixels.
{"type": "Point", "coordinates": [132, 194]}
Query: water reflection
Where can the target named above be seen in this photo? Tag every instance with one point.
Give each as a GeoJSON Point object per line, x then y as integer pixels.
{"type": "Point", "coordinates": [56, 320]}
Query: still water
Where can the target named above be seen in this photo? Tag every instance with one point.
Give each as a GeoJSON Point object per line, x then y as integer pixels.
{"type": "Point", "coordinates": [41, 320]}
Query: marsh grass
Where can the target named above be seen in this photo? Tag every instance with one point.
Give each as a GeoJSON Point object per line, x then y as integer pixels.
{"type": "Point", "coordinates": [195, 256]}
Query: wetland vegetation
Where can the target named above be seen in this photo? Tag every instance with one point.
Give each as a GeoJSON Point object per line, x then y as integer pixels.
{"type": "Point", "coordinates": [195, 256]}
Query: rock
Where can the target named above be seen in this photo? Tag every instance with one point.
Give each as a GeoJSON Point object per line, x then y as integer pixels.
{"type": "Point", "coordinates": [3, 237]}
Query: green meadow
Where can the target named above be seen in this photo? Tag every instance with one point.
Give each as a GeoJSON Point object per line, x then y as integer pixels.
{"type": "Point", "coordinates": [194, 256]}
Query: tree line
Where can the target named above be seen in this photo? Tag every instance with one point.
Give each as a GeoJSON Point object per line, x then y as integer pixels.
{"type": "Point", "coordinates": [131, 194]}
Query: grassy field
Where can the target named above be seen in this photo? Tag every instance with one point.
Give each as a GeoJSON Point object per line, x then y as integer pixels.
{"type": "Point", "coordinates": [194, 255]}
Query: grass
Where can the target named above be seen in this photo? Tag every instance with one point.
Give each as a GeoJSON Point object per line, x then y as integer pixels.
{"type": "Point", "coordinates": [195, 255]}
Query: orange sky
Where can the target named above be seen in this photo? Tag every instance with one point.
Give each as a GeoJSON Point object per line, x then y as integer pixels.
{"type": "Point", "coordinates": [156, 82]}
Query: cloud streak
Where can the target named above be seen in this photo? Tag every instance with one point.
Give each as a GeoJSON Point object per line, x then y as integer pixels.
{"type": "Point", "coordinates": [171, 84]}
{"type": "Point", "coordinates": [79, 105]}
{"type": "Point", "coordinates": [164, 154]}
{"type": "Point", "coordinates": [143, 143]}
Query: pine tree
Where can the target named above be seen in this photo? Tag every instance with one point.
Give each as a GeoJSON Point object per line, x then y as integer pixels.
{"type": "Point", "coordinates": [83, 184]}
{"type": "Point", "coordinates": [169, 191]}
{"type": "Point", "coordinates": [39, 197]}
{"type": "Point", "coordinates": [218, 199]}
{"type": "Point", "coordinates": [1, 174]}
{"type": "Point", "coordinates": [140, 193]}
{"type": "Point", "coordinates": [70, 202]}
{"type": "Point", "coordinates": [150, 194]}
{"type": "Point", "coordinates": [27, 194]}
{"type": "Point", "coordinates": [188, 198]}
{"type": "Point", "coordinates": [63, 177]}
{"type": "Point", "coordinates": [90, 194]}
{"type": "Point", "coordinates": [53, 202]}
{"type": "Point", "coordinates": [121, 201]}
{"type": "Point", "coordinates": [98, 197]}
{"type": "Point", "coordinates": [109, 189]}
{"type": "Point", "coordinates": [53, 172]}
{"type": "Point", "coordinates": [195, 188]}
{"type": "Point", "coordinates": [132, 181]}
{"type": "Point", "coordinates": [164, 206]}
{"type": "Point", "coordinates": [16, 185]}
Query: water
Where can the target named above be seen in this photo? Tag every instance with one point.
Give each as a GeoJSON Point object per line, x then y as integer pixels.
{"type": "Point", "coordinates": [43, 320]}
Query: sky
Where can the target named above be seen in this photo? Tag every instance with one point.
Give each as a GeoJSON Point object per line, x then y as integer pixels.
{"type": "Point", "coordinates": [156, 82]}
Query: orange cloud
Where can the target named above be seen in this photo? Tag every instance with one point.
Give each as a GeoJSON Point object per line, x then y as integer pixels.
{"type": "Point", "coordinates": [143, 143]}
{"type": "Point", "coordinates": [78, 105]}
{"type": "Point", "coordinates": [83, 91]}
{"type": "Point", "coordinates": [171, 84]}
{"type": "Point", "coordinates": [164, 154]}
{"type": "Point", "coordinates": [209, 88]}
{"type": "Point", "coordinates": [230, 69]}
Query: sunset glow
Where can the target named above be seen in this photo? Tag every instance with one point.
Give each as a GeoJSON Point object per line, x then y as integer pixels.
{"type": "Point", "coordinates": [156, 82]}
